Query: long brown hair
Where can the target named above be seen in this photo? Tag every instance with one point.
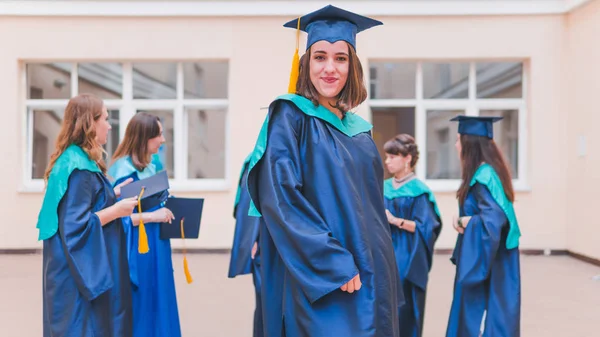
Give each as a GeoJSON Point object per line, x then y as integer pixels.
{"type": "Point", "coordinates": [353, 93]}
{"type": "Point", "coordinates": [78, 127]}
{"type": "Point", "coordinates": [141, 128]}
{"type": "Point", "coordinates": [477, 150]}
{"type": "Point", "coordinates": [403, 144]}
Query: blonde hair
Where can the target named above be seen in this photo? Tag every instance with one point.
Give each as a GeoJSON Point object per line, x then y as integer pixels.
{"type": "Point", "coordinates": [78, 128]}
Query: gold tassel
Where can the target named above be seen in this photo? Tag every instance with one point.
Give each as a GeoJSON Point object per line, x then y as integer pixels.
{"type": "Point", "coordinates": [295, 64]}
{"type": "Point", "coordinates": [186, 268]}
{"type": "Point", "coordinates": [142, 236]}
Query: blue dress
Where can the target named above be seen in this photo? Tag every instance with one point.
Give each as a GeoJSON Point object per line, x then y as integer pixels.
{"type": "Point", "coordinates": [414, 251]}
{"type": "Point", "coordinates": [317, 181]}
{"type": "Point", "coordinates": [245, 235]}
{"type": "Point", "coordinates": [155, 312]}
{"type": "Point", "coordinates": [487, 264]}
{"type": "Point", "coordinates": [86, 288]}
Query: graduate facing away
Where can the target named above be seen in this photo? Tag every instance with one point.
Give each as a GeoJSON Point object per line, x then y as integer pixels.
{"type": "Point", "coordinates": [86, 289]}
{"type": "Point", "coordinates": [316, 178]}
{"type": "Point", "coordinates": [415, 222]}
{"type": "Point", "coordinates": [488, 277]}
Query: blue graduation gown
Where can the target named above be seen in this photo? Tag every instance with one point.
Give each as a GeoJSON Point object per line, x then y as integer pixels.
{"type": "Point", "coordinates": [319, 189]}
{"type": "Point", "coordinates": [155, 312]}
{"type": "Point", "coordinates": [487, 272]}
{"type": "Point", "coordinates": [85, 273]}
{"type": "Point", "coordinates": [414, 252]}
{"type": "Point", "coordinates": [245, 235]}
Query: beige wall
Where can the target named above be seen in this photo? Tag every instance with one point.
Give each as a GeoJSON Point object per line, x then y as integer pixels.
{"type": "Point", "coordinates": [582, 82]}
{"type": "Point", "coordinates": [260, 53]}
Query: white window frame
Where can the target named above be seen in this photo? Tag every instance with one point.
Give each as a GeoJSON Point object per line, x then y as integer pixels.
{"type": "Point", "coordinates": [127, 107]}
{"type": "Point", "coordinates": [471, 106]}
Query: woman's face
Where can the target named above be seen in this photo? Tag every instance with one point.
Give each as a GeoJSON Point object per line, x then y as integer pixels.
{"type": "Point", "coordinates": [329, 66]}
{"type": "Point", "coordinates": [102, 126]}
{"type": "Point", "coordinates": [155, 143]}
{"type": "Point", "coordinates": [397, 163]}
{"type": "Point", "coordinates": [457, 145]}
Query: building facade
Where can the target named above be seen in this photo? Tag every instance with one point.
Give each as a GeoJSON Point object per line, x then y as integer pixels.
{"type": "Point", "coordinates": [210, 69]}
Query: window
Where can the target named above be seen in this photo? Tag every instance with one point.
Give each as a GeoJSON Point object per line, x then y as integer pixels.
{"type": "Point", "coordinates": [419, 98]}
{"type": "Point", "coordinates": [190, 98]}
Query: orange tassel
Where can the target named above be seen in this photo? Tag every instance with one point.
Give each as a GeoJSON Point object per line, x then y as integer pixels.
{"type": "Point", "coordinates": [295, 72]}
{"type": "Point", "coordinates": [186, 268]}
{"type": "Point", "coordinates": [143, 247]}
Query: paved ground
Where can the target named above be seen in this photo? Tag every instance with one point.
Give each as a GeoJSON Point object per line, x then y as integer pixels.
{"type": "Point", "coordinates": [559, 297]}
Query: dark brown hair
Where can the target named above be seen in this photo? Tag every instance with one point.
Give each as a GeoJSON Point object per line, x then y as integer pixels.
{"type": "Point", "coordinates": [141, 128]}
{"type": "Point", "coordinates": [353, 93]}
{"type": "Point", "coordinates": [403, 144]}
{"type": "Point", "coordinates": [477, 150]}
{"type": "Point", "coordinates": [78, 127]}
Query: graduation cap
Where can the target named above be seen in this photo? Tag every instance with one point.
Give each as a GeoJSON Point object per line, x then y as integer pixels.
{"type": "Point", "coordinates": [188, 213]}
{"type": "Point", "coordinates": [155, 190]}
{"type": "Point", "coordinates": [476, 126]}
{"type": "Point", "coordinates": [187, 209]}
{"type": "Point", "coordinates": [330, 24]}
{"type": "Point", "coordinates": [151, 192]}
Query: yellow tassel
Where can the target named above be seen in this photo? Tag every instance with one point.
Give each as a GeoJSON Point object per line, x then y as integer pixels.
{"type": "Point", "coordinates": [142, 236]}
{"type": "Point", "coordinates": [186, 268]}
{"type": "Point", "coordinates": [295, 64]}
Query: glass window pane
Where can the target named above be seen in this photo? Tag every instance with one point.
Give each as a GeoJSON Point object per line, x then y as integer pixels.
{"type": "Point", "coordinates": [388, 122]}
{"type": "Point", "coordinates": [113, 136]}
{"type": "Point", "coordinates": [154, 80]}
{"type": "Point", "coordinates": [49, 81]}
{"type": "Point", "coordinates": [166, 152]}
{"type": "Point", "coordinates": [207, 79]}
{"type": "Point", "coordinates": [46, 126]}
{"type": "Point", "coordinates": [206, 143]}
{"type": "Point", "coordinates": [104, 80]}
{"type": "Point", "coordinates": [500, 80]}
{"type": "Point", "coordinates": [445, 80]}
{"type": "Point", "coordinates": [506, 136]}
{"type": "Point", "coordinates": [442, 157]}
{"type": "Point", "coordinates": [392, 80]}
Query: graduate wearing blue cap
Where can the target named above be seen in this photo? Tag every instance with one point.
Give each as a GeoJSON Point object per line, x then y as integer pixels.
{"type": "Point", "coordinates": [316, 178]}
{"type": "Point", "coordinates": [487, 249]}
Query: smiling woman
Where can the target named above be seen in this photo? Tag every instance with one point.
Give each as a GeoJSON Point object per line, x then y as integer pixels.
{"type": "Point", "coordinates": [331, 66]}
{"type": "Point", "coordinates": [326, 244]}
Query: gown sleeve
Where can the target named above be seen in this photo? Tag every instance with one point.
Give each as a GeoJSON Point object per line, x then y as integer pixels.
{"type": "Point", "coordinates": [312, 255]}
{"type": "Point", "coordinates": [130, 237]}
{"type": "Point", "coordinates": [82, 237]}
{"type": "Point", "coordinates": [427, 229]}
{"type": "Point", "coordinates": [481, 238]}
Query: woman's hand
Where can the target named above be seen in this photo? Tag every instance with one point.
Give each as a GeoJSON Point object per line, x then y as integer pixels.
{"type": "Point", "coordinates": [125, 207]}
{"type": "Point", "coordinates": [392, 219]}
{"type": "Point", "coordinates": [117, 188]}
{"type": "Point", "coordinates": [403, 224]}
{"type": "Point", "coordinates": [120, 209]}
{"type": "Point", "coordinates": [353, 285]}
{"type": "Point", "coordinates": [254, 249]}
{"type": "Point", "coordinates": [162, 215]}
{"type": "Point", "coordinates": [460, 223]}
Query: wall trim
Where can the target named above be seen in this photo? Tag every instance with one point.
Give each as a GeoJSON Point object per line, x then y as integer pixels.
{"type": "Point", "coordinates": [443, 251]}
{"type": "Point", "coordinates": [250, 8]}
{"type": "Point", "coordinates": [580, 257]}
